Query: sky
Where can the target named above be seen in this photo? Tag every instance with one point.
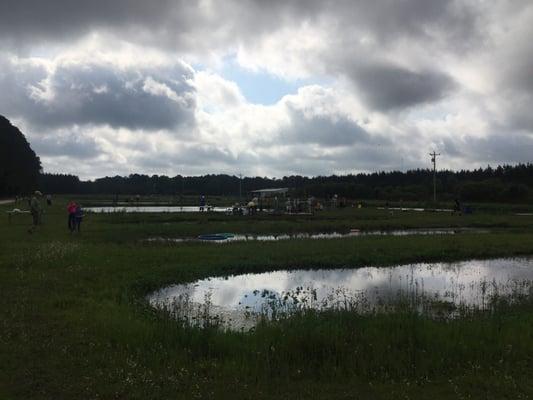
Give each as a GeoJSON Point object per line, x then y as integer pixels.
{"type": "Point", "coordinates": [268, 88]}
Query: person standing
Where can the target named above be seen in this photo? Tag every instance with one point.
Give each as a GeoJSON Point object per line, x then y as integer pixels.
{"type": "Point", "coordinates": [78, 216]}
{"type": "Point", "coordinates": [36, 211]}
{"type": "Point", "coordinates": [457, 208]}
{"type": "Point", "coordinates": [71, 209]}
{"type": "Point", "coordinates": [49, 199]}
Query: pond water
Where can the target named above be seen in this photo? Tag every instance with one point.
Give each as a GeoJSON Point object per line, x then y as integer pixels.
{"type": "Point", "coordinates": [415, 209]}
{"type": "Point", "coordinates": [239, 302]}
{"type": "Point", "coordinates": [153, 209]}
{"type": "Point", "coordinates": [228, 238]}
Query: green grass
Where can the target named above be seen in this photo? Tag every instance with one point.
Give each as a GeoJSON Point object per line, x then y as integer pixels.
{"type": "Point", "coordinates": [124, 227]}
{"type": "Point", "coordinates": [74, 323]}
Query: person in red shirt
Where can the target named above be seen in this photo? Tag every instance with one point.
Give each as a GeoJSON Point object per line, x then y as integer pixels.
{"type": "Point", "coordinates": [71, 209]}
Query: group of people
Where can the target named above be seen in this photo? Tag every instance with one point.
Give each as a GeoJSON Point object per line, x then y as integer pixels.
{"type": "Point", "coordinates": [75, 213]}
{"type": "Point", "coordinates": [75, 216]}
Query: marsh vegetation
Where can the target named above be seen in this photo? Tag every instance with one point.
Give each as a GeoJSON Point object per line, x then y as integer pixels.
{"type": "Point", "coordinates": [75, 322]}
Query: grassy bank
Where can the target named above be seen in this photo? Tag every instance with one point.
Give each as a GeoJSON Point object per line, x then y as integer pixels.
{"type": "Point", "coordinates": [124, 227]}
{"type": "Point", "coordinates": [74, 323]}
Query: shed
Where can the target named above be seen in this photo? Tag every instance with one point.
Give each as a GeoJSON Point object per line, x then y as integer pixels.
{"type": "Point", "coordinates": [263, 193]}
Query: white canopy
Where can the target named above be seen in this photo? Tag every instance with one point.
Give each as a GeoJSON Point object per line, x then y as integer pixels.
{"type": "Point", "coordinates": [270, 192]}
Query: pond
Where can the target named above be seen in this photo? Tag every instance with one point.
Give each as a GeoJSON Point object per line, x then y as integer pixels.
{"type": "Point", "coordinates": [229, 238]}
{"type": "Point", "coordinates": [240, 302]}
{"type": "Point", "coordinates": [419, 209]}
{"type": "Point", "coordinates": [153, 209]}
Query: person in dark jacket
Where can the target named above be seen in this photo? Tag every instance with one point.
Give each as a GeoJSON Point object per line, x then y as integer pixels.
{"type": "Point", "coordinates": [78, 216]}
{"type": "Point", "coordinates": [457, 207]}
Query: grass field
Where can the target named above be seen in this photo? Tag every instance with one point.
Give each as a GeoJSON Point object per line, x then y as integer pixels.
{"type": "Point", "coordinates": [74, 323]}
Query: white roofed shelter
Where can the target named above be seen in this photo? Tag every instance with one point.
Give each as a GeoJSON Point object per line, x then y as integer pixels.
{"type": "Point", "coordinates": [263, 193]}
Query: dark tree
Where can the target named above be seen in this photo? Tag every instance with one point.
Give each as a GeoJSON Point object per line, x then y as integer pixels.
{"type": "Point", "coordinates": [19, 166]}
{"type": "Point", "coordinates": [60, 183]}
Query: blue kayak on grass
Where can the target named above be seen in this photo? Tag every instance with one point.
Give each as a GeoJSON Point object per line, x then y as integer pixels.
{"type": "Point", "coordinates": [216, 236]}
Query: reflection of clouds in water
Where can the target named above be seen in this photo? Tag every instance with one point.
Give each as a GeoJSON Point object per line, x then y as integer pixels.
{"type": "Point", "coordinates": [468, 283]}
{"type": "Point", "coordinates": [230, 291]}
{"type": "Point", "coordinates": [318, 236]}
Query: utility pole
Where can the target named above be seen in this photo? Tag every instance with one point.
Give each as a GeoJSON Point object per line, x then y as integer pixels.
{"type": "Point", "coordinates": [182, 189]}
{"type": "Point", "coordinates": [240, 189]}
{"type": "Point", "coordinates": [434, 161]}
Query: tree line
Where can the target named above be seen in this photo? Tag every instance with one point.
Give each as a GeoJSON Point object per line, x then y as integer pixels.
{"type": "Point", "coordinates": [21, 173]}
{"type": "Point", "coordinates": [507, 183]}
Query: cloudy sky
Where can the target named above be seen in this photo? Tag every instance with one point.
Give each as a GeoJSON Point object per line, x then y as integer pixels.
{"type": "Point", "coordinates": [268, 88]}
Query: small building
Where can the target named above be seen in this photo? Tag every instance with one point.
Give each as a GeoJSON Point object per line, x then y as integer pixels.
{"type": "Point", "coordinates": [270, 198]}
{"type": "Point", "coordinates": [264, 193]}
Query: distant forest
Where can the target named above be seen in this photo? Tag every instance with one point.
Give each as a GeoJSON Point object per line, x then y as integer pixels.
{"type": "Point", "coordinates": [502, 184]}
{"type": "Point", "coordinates": [20, 174]}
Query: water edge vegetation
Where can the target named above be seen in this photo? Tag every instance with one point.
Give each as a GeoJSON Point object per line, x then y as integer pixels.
{"type": "Point", "coordinates": [75, 323]}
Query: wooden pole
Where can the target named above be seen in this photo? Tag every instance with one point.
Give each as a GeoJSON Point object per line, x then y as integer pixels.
{"type": "Point", "coordinates": [434, 161]}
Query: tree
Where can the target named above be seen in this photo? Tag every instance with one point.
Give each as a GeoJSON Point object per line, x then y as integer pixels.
{"type": "Point", "coordinates": [19, 165]}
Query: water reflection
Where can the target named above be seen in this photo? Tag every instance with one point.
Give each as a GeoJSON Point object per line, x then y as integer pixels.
{"type": "Point", "coordinates": [415, 209]}
{"type": "Point", "coordinates": [153, 209]}
{"type": "Point", "coordinates": [239, 302]}
{"type": "Point", "coordinates": [228, 238]}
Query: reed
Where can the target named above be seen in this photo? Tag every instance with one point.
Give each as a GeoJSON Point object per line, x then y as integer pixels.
{"type": "Point", "coordinates": [74, 322]}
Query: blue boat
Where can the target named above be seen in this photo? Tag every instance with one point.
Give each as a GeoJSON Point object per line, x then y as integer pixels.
{"type": "Point", "coordinates": [216, 236]}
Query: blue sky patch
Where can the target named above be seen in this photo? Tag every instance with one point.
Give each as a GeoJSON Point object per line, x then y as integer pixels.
{"type": "Point", "coordinates": [259, 87]}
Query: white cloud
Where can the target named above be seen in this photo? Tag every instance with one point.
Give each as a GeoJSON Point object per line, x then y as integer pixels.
{"type": "Point", "coordinates": [215, 94]}
{"type": "Point", "coordinates": [132, 87]}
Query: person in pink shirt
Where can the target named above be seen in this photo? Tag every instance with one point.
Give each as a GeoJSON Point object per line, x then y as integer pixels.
{"type": "Point", "coordinates": [71, 209]}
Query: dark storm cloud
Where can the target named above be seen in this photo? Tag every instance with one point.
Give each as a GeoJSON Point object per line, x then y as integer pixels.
{"type": "Point", "coordinates": [77, 147]}
{"type": "Point", "coordinates": [520, 116]}
{"type": "Point", "coordinates": [195, 159]}
{"type": "Point", "coordinates": [515, 78]}
{"type": "Point", "coordinates": [494, 148]}
{"type": "Point", "coordinates": [447, 21]}
{"type": "Point", "coordinates": [366, 157]}
{"type": "Point", "coordinates": [498, 148]}
{"type": "Point", "coordinates": [98, 94]}
{"type": "Point", "coordinates": [451, 147]}
{"type": "Point", "coordinates": [187, 24]}
{"type": "Point", "coordinates": [387, 87]}
{"type": "Point", "coordinates": [16, 81]}
{"type": "Point", "coordinates": [67, 19]}
{"type": "Point", "coordinates": [189, 156]}
{"type": "Point", "coordinates": [328, 131]}
{"type": "Point", "coordinates": [306, 160]}
{"type": "Point", "coordinates": [517, 72]}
